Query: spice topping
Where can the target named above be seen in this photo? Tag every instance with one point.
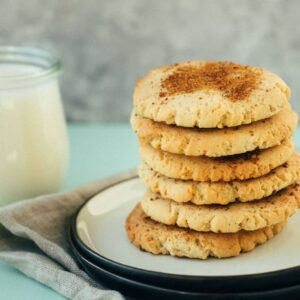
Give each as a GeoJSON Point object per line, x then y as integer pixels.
{"type": "Point", "coordinates": [235, 81]}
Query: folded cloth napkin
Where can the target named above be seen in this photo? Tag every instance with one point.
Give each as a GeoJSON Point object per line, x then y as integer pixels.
{"type": "Point", "coordinates": [33, 239]}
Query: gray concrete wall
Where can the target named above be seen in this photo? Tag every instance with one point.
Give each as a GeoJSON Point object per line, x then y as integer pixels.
{"type": "Point", "coordinates": [106, 45]}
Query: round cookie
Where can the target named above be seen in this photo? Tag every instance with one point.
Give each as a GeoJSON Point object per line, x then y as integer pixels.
{"type": "Point", "coordinates": [201, 168]}
{"type": "Point", "coordinates": [201, 193]}
{"type": "Point", "coordinates": [216, 142]}
{"type": "Point", "coordinates": [231, 218]}
{"type": "Point", "coordinates": [209, 94]}
{"type": "Point", "coordinates": [163, 239]}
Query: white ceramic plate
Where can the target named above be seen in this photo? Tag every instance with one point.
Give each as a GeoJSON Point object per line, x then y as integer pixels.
{"type": "Point", "coordinates": [100, 226]}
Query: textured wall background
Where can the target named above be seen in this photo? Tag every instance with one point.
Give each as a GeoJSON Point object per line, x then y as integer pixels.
{"type": "Point", "coordinates": [106, 45]}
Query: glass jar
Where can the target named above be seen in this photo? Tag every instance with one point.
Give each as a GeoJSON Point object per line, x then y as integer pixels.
{"type": "Point", "coordinates": [34, 148]}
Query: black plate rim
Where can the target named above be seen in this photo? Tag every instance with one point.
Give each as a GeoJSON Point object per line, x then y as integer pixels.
{"type": "Point", "coordinates": [83, 260]}
{"type": "Point", "coordinates": [139, 271]}
{"type": "Point", "coordinates": [77, 254]}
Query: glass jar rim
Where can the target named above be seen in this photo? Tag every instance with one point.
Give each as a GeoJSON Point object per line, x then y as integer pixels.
{"type": "Point", "coordinates": [46, 64]}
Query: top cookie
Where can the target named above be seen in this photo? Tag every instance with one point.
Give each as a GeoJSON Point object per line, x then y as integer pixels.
{"type": "Point", "coordinates": [209, 94]}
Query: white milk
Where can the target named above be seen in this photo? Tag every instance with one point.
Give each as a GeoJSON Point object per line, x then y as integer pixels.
{"type": "Point", "coordinates": [33, 140]}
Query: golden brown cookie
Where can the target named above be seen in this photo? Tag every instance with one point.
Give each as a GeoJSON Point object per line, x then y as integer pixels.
{"type": "Point", "coordinates": [209, 94]}
{"type": "Point", "coordinates": [201, 193]}
{"type": "Point", "coordinates": [158, 238]}
{"type": "Point", "coordinates": [219, 218]}
{"type": "Point", "coordinates": [216, 142]}
{"type": "Point", "coordinates": [227, 168]}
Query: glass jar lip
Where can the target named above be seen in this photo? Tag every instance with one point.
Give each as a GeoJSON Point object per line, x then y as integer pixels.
{"type": "Point", "coordinates": [47, 65]}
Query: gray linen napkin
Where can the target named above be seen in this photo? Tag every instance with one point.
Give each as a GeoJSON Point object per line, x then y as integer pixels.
{"type": "Point", "coordinates": [33, 239]}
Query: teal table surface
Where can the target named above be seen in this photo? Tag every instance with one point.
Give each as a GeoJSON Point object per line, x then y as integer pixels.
{"type": "Point", "coordinates": [97, 151]}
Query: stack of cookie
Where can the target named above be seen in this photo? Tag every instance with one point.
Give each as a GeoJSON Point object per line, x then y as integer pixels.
{"type": "Point", "coordinates": [215, 140]}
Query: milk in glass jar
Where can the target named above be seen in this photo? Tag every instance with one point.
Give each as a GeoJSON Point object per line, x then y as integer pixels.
{"type": "Point", "coordinates": [34, 148]}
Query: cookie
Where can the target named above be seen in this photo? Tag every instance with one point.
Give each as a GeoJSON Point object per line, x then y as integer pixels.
{"type": "Point", "coordinates": [201, 168]}
{"type": "Point", "coordinates": [230, 218]}
{"type": "Point", "coordinates": [201, 193]}
{"type": "Point", "coordinates": [209, 94]}
{"type": "Point", "coordinates": [216, 142]}
{"type": "Point", "coordinates": [158, 238]}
